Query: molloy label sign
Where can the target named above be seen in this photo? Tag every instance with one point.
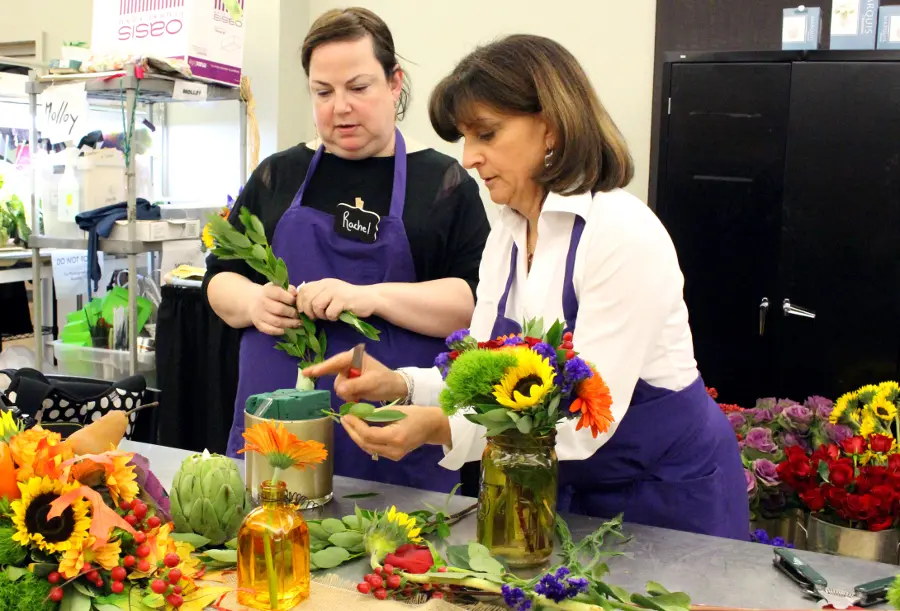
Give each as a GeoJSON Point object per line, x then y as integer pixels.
{"type": "Point", "coordinates": [62, 113]}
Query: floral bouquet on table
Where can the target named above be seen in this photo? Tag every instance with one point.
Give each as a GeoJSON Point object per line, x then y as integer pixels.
{"type": "Point", "coordinates": [87, 531]}
{"type": "Point", "coordinates": [519, 388]}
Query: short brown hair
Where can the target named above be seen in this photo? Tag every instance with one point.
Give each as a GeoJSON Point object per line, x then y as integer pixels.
{"type": "Point", "coordinates": [528, 75]}
{"type": "Point", "coordinates": [351, 24]}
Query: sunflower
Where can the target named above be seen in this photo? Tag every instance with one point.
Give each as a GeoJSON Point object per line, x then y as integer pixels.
{"type": "Point", "coordinates": [593, 400]}
{"type": "Point", "coordinates": [883, 409]}
{"type": "Point", "coordinates": [87, 551]}
{"type": "Point", "coordinates": [9, 426]}
{"type": "Point", "coordinates": [868, 425]}
{"type": "Point", "coordinates": [405, 522]}
{"type": "Point", "coordinates": [30, 516]}
{"type": "Point", "coordinates": [525, 384]}
{"type": "Point", "coordinates": [845, 402]}
{"type": "Point", "coordinates": [389, 531]}
{"type": "Point", "coordinates": [282, 448]}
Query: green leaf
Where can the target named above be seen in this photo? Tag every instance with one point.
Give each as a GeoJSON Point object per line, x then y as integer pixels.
{"type": "Point", "coordinates": [555, 334]}
{"type": "Point", "coordinates": [74, 600]}
{"type": "Point", "coordinates": [458, 556]}
{"type": "Point", "coordinates": [677, 601]}
{"type": "Point", "coordinates": [197, 541]}
{"type": "Point", "coordinates": [14, 573]}
{"type": "Point", "coordinates": [361, 495]}
{"type": "Point", "coordinates": [655, 589]}
{"type": "Point", "coordinates": [231, 544]}
{"type": "Point", "coordinates": [612, 591]}
{"type": "Point", "coordinates": [363, 327]}
{"type": "Point", "coordinates": [153, 600]}
{"type": "Point", "coordinates": [222, 555]}
{"type": "Point", "coordinates": [524, 425]}
{"type": "Point", "coordinates": [385, 415]}
{"type": "Point", "coordinates": [443, 531]}
{"type": "Point", "coordinates": [361, 410]}
{"type": "Point", "coordinates": [257, 228]}
{"type": "Point", "coordinates": [314, 343]}
{"type": "Point", "coordinates": [484, 564]}
{"type": "Point", "coordinates": [318, 531]}
{"type": "Point", "coordinates": [552, 408]}
{"type": "Point", "coordinates": [346, 539]}
{"type": "Point", "coordinates": [333, 526]}
{"type": "Point", "coordinates": [823, 471]}
{"type": "Point", "coordinates": [83, 589]}
{"type": "Point", "coordinates": [330, 557]}
{"type": "Point", "coordinates": [106, 607]}
{"type": "Point", "coordinates": [281, 274]}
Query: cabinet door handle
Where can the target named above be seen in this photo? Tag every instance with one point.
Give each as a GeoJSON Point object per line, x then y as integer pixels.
{"type": "Point", "coordinates": [792, 310]}
{"type": "Point", "coordinates": [763, 311]}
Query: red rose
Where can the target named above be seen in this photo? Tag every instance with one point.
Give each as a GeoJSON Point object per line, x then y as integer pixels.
{"type": "Point", "coordinates": [795, 453]}
{"type": "Point", "coordinates": [827, 452]}
{"type": "Point", "coordinates": [835, 496]}
{"type": "Point", "coordinates": [864, 484]}
{"type": "Point", "coordinates": [876, 474]}
{"type": "Point", "coordinates": [894, 462]}
{"type": "Point", "coordinates": [861, 507]}
{"type": "Point", "coordinates": [877, 524]}
{"type": "Point", "coordinates": [840, 472]}
{"type": "Point", "coordinates": [854, 445]}
{"type": "Point", "coordinates": [880, 444]}
{"type": "Point", "coordinates": [814, 499]}
{"type": "Point", "coordinates": [411, 558]}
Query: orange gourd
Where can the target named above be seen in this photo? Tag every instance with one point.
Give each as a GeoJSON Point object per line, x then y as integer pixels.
{"type": "Point", "coordinates": [9, 486]}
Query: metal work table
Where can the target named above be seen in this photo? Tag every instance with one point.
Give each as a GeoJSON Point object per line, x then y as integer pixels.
{"type": "Point", "coordinates": [713, 571]}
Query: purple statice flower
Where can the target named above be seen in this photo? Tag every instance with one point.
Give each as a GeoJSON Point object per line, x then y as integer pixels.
{"type": "Point", "coordinates": [515, 598]}
{"type": "Point", "coordinates": [513, 340]}
{"type": "Point", "coordinates": [546, 351]}
{"type": "Point", "coordinates": [456, 337]}
{"type": "Point", "coordinates": [574, 371]}
{"type": "Point", "coordinates": [557, 588]}
{"type": "Point", "coordinates": [758, 415]}
{"type": "Point", "coordinates": [766, 472]}
{"type": "Point", "coordinates": [759, 536]}
{"type": "Point", "coordinates": [837, 432]}
{"type": "Point", "coordinates": [797, 417]}
{"type": "Point", "coordinates": [761, 439]}
{"type": "Point", "coordinates": [821, 406]}
{"type": "Point", "coordinates": [737, 421]}
{"type": "Point", "coordinates": [751, 482]}
{"type": "Point", "coordinates": [442, 362]}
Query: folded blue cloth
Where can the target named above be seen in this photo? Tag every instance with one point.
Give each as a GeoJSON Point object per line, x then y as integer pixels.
{"type": "Point", "coordinates": [99, 224]}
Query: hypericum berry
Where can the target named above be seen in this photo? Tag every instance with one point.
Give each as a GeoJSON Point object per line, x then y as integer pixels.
{"type": "Point", "coordinates": [159, 586]}
{"type": "Point", "coordinates": [570, 354]}
{"type": "Point", "coordinates": [140, 537]}
{"type": "Point", "coordinates": [378, 570]}
{"type": "Point", "coordinates": [85, 567]}
{"type": "Point", "coordinates": [389, 569]}
{"type": "Point", "coordinates": [442, 569]}
{"type": "Point", "coordinates": [176, 589]}
{"type": "Point", "coordinates": [143, 551]}
{"type": "Point", "coordinates": [153, 521]}
{"type": "Point", "coordinates": [364, 587]}
{"type": "Point", "coordinates": [393, 581]}
{"type": "Point", "coordinates": [140, 511]}
{"type": "Point", "coordinates": [567, 345]}
{"type": "Point", "coordinates": [174, 576]}
{"type": "Point", "coordinates": [131, 519]}
{"type": "Point", "coordinates": [128, 561]}
{"type": "Point", "coordinates": [437, 595]}
{"type": "Point", "coordinates": [92, 575]}
{"type": "Point", "coordinates": [54, 577]}
{"type": "Point", "coordinates": [98, 582]}
{"type": "Point", "coordinates": [567, 336]}
{"type": "Point", "coordinates": [118, 573]}
{"type": "Point", "coordinates": [426, 587]}
{"type": "Point", "coordinates": [126, 506]}
{"type": "Point", "coordinates": [172, 560]}
{"type": "Point", "coordinates": [143, 565]}
{"type": "Point", "coordinates": [368, 578]}
{"type": "Point", "coordinates": [376, 581]}
{"type": "Point", "coordinates": [117, 587]}
{"type": "Point", "coordinates": [56, 594]}
{"type": "Point", "coordinates": [380, 593]}
{"type": "Point", "coordinates": [175, 600]}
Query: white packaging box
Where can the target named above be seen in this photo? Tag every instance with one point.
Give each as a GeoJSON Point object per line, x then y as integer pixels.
{"type": "Point", "coordinates": [201, 32]}
{"type": "Point", "coordinates": [158, 231]}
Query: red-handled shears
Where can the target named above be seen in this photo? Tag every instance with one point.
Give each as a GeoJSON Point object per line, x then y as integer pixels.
{"type": "Point", "coordinates": [356, 362]}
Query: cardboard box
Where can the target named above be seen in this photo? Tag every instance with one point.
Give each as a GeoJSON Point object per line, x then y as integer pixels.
{"type": "Point", "coordinates": [889, 27]}
{"type": "Point", "coordinates": [854, 24]}
{"type": "Point", "coordinates": [801, 28]}
{"type": "Point", "coordinates": [201, 32]}
{"type": "Point", "coordinates": [158, 231]}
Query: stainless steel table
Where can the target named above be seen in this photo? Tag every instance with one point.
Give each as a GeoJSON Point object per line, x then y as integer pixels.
{"type": "Point", "coordinates": [711, 570]}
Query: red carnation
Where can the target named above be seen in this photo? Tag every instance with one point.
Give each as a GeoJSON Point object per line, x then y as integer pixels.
{"type": "Point", "coordinates": [411, 558]}
{"type": "Point", "coordinates": [880, 444]}
{"type": "Point", "coordinates": [854, 445]}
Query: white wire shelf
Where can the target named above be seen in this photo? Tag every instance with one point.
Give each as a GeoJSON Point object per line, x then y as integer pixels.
{"type": "Point", "coordinates": [111, 86]}
{"type": "Point", "coordinates": [113, 247]}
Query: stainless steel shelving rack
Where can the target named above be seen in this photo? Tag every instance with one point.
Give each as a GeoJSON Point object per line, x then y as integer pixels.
{"type": "Point", "coordinates": [123, 86]}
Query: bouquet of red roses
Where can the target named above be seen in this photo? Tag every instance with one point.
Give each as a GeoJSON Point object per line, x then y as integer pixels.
{"type": "Point", "coordinates": [855, 483]}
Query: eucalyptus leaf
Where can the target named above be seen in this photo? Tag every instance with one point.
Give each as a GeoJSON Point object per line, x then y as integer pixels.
{"type": "Point", "coordinates": [317, 531]}
{"type": "Point", "coordinates": [197, 541]}
{"type": "Point", "coordinates": [330, 557]}
{"type": "Point", "coordinates": [524, 425]}
{"type": "Point", "coordinates": [385, 415]}
{"type": "Point", "coordinates": [485, 564]}
{"type": "Point", "coordinates": [333, 526]}
{"type": "Point", "coordinates": [346, 539]}
{"type": "Point", "coordinates": [458, 555]}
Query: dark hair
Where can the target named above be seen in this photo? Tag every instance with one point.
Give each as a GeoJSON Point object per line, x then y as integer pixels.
{"type": "Point", "coordinates": [532, 75]}
{"type": "Point", "coordinates": [351, 24]}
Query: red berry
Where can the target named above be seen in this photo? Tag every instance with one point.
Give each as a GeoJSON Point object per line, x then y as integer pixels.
{"type": "Point", "coordinates": [85, 567]}
{"type": "Point", "coordinates": [567, 336]}
{"type": "Point", "coordinates": [153, 521]}
{"type": "Point", "coordinates": [140, 510]}
{"type": "Point", "coordinates": [143, 551]}
{"type": "Point", "coordinates": [175, 600]}
{"type": "Point", "coordinates": [126, 506]}
{"type": "Point", "coordinates": [129, 561]}
{"type": "Point", "coordinates": [389, 569]}
{"type": "Point", "coordinates": [176, 589]}
{"type": "Point", "coordinates": [570, 354]}
{"type": "Point", "coordinates": [98, 582]}
{"type": "Point", "coordinates": [376, 581]}
{"type": "Point", "coordinates": [364, 588]}
{"type": "Point", "coordinates": [442, 569]}
{"type": "Point", "coordinates": [54, 577]}
{"type": "Point", "coordinates": [567, 345]}
{"type": "Point", "coordinates": [143, 565]}
{"type": "Point", "coordinates": [174, 576]}
{"type": "Point", "coordinates": [92, 575]}
{"type": "Point", "coordinates": [117, 587]}
{"type": "Point", "coordinates": [131, 519]}
{"type": "Point", "coordinates": [368, 578]}
{"type": "Point", "coordinates": [378, 570]}
{"type": "Point", "coordinates": [393, 582]}
{"type": "Point", "coordinates": [139, 537]}
{"type": "Point", "coordinates": [56, 594]}
{"type": "Point", "coordinates": [437, 595]}
{"type": "Point", "coordinates": [118, 573]}
{"type": "Point", "coordinates": [426, 586]}
{"type": "Point", "coordinates": [380, 593]}
{"type": "Point", "coordinates": [159, 586]}
{"type": "Point", "coordinates": [172, 560]}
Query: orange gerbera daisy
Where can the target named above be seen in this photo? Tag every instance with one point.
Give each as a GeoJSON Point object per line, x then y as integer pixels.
{"type": "Point", "coordinates": [593, 401]}
{"type": "Point", "coordinates": [282, 448]}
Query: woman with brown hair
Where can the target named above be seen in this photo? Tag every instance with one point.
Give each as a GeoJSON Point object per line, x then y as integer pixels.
{"type": "Point", "coordinates": [572, 245]}
{"type": "Point", "coordinates": [414, 281]}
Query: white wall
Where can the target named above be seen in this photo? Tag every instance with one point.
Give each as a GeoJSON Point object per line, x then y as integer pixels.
{"type": "Point", "coordinates": [613, 39]}
{"type": "Point", "coordinates": [59, 20]}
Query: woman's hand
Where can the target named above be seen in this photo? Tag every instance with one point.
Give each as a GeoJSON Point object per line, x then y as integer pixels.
{"type": "Point", "coordinates": [422, 425]}
{"type": "Point", "coordinates": [271, 310]}
{"type": "Point", "coordinates": [327, 298]}
{"type": "Point", "coordinates": [376, 383]}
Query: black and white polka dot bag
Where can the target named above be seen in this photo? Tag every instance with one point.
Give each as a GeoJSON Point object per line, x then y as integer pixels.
{"type": "Point", "coordinates": [66, 405]}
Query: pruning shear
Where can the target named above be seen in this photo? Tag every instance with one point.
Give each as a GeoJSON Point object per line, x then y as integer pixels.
{"type": "Point", "coordinates": [356, 361]}
{"type": "Point", "coordinates": [815, 586]}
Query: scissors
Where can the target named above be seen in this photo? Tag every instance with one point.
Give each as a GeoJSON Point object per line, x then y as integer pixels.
{"type": "Point", "coordinates": [356, 365]}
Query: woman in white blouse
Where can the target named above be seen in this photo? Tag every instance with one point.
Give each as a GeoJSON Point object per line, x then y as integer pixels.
{"type": "Point", "coordinates": [572, 245]}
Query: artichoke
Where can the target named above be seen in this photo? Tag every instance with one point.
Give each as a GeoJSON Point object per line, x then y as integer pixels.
{"type": "Point", "coordinates": [208, 497]}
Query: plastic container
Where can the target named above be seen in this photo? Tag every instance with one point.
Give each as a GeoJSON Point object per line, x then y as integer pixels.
{"type": "Point", "coordinates": [101, 363]}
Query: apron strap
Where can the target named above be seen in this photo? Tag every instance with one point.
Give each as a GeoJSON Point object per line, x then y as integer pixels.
{"type": "Point", "coordinates": [313, 164]}
{"type": "Point", "coordinates": [501, 306]}
{"type": "Point", "coordinates": [398, 193]}
{"type": "Point", "coordinates": [570, 298]}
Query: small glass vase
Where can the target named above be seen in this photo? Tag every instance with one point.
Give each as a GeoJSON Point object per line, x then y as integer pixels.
{"type": "Point", "coordinates": [273, 553]}
{"type": "Point", "coordinates": [517, 499]}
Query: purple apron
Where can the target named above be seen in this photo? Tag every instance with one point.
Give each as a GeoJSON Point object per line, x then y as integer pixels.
{"type": "Point", "coordinates": [673, 461]}
{"type": "Point", "coordinates": [305, 239]}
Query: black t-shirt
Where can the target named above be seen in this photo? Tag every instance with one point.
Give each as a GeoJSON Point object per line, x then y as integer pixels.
{"type": "Point", "coordinates": [444, 218]}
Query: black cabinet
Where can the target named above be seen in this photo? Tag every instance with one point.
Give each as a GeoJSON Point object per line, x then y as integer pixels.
{"type": "Point", "coordinates": [779, 181]}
